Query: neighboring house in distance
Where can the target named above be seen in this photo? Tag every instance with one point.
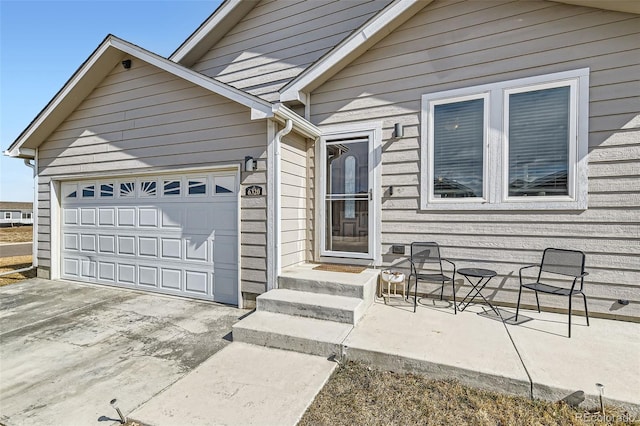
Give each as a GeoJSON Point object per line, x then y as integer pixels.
{"type": "Point", "coordinates": [14, 213]}
{"type": "Point", "coordinates": [333, 131]}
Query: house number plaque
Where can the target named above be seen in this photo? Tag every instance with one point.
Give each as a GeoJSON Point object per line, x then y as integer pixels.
{"type": "Point", "coordinates": [253, 190]}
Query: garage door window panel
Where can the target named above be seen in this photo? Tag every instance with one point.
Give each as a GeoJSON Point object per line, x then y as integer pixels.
{"type": "Point", "coordinates": [148, 188]}
{"type": "Point", "coordinates": [106, 190]}
{"type": "Point", "coordinates": [88, 191]}
{"type": "Point", "coordinates": [197, 187]}
{"type": "Point", "coordinates": [127, 189]}
{"type": "Point", "coordinates": [171, 188]}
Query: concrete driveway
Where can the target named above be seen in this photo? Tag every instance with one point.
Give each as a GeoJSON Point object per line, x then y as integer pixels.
{"type": "Point", "coordinates": [68, 349]}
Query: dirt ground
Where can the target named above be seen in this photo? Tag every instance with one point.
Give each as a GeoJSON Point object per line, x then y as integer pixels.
{"type": "Point", "coordinates": [358, 395]}
{"type": "Point", "coordinates": [17, 234]}
{"type": "Point", "coordinates": [12, 263]}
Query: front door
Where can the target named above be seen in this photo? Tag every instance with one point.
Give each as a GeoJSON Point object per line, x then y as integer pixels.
{"type": "Point", "coordinates": [348, 196]}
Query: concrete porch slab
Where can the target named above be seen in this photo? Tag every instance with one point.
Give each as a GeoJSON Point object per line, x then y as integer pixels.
{"type": "Point", "coordinates": [436, 342]}
{"type": "Point", "coordinates": [606, 352]}
{"type": "Point", "coordinates": [533, 358]}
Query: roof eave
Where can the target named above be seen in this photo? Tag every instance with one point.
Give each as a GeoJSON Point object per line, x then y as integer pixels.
{"type": "Point", "coordinates": [303, 127]}
{"type": "Point", "coordinates": [353, 46]}
{"type": "Point", "coordinates": [96, 68]}
{"type": "Point", "coordinates": [222, 20]}
{"type": "Point", "coordinates": [628, 6]}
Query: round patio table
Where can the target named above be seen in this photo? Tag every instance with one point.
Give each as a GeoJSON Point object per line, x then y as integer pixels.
{"type": "Point", "coordinates": [483, 277]}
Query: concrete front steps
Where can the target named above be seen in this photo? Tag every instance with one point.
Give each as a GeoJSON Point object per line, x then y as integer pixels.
{"type": "Point", "coordinates": [311, 312]}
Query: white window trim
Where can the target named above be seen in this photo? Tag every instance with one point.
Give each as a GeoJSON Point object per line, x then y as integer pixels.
{"type": "Point", "coordinates": [7, 215]}
{"type": "Point", "coordinates": [495, 184]}
{"type": "Point", "coordinates": [431, 198]}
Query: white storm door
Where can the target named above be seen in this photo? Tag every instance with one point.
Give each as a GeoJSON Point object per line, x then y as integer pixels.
{"type": "Point", "coordinates": [348, 197]}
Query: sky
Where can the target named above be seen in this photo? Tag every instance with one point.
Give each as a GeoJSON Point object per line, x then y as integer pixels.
{"type": "Point", "coordinates": [42, 43]}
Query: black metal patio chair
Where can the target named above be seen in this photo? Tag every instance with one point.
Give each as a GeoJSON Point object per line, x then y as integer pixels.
{"type": "Point", "coordinates": [558, 262]}
{"type": "Point", "coordinates": [428, 254]}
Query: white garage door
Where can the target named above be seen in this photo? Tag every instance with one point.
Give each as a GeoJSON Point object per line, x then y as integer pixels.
{"type": "Point", "coordinates": [168, 234]}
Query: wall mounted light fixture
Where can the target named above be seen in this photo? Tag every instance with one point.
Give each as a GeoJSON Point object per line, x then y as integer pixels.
{"type": "Point", "coordinates": [249, 164]}
{"type": "Point", "coordinates": [126, 64]}
{"type": "Point", "coordinates": [398, 130]}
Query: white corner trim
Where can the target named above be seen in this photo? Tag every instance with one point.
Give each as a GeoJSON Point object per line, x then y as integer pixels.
{"type": "Point", "coordinates": [375, 27]}
{"type": "Point", "coordinates": [272, 267]}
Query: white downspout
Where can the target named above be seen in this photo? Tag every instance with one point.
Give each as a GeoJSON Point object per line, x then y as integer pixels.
{"type": "Point", "coordinates": [276, 197]}
{"type": "Point", "coordinates": [34, 212]}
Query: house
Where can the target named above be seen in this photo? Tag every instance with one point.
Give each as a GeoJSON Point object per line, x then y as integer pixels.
{"type": "Point", "coordinates": [330, 131]}
{"type": "Point", "coordinates": [14, 213]}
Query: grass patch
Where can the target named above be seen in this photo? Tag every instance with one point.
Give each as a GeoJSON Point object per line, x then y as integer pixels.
{"type": "Point", "coordinates": [12, 263]}
{"type": "Point", "coordinates": [358, 395]}
{"type": "Point", "coordinates": [18, 234]}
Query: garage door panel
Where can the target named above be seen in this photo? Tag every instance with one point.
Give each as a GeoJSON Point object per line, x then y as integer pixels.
{"type": "Point", "coordinates": [171, 279]}
{"type": "Point", "coordinates": [107, 271]}
{"type": "Point", "coordinates": [148, 276]}
{"type": "Point", "coordinates": [70, 216]}
{"type": "Point", "coordinates": [71, 267]}
{"type": "Point", "coordinates": [195, 250]}
{"type": "Point", "coordinates": [89, 268]}
{"type": "Point", "coordinates": [224, 217]}
{"type": "Point", "coordinates": [172, 217]}
{"type": "Point", "coordinates": [70, 241]}
{"type": "Point", "coordinates": [171, 248]}
{"type": "Point", "coordinates": [169, 234]}
{"type": "Point", "coordinates": [107, 244]}
{"type": "Point", "coordinates": [222, 283]}
{"type": "Point", "coordinates": [126, 273]}
{"type": "Point", "coordinates": [197, 282]}
{"type": "Point", "coordinates": [148, 247]}
{"type": "Point", "coordinates": [148, 217]}
{"type": "Point", "coordinates": [126, 245]}
{"type": "Point", "coordinates": [88, 243]}
{"type": "Point", "coordinates": [226, 251]}
{"type": "Point", "coordinates": [88, 216]}
{"type": "Point", "coordinates": [107, 217]}
{"type": "Point", "coordinates": [198, 220]}
{"type": "Point", "coordinates": [126, 216]}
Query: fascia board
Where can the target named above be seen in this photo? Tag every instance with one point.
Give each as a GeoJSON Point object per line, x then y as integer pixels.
{"type": "Point", "coordinates": [368, 34]}
{"type": "Point", "coordinates": [77, 83]}
{"type": "Point", "coordinates": [300, 125]}
{"type": "Point", "coordinates": [628, 6]}
{"type": "Point", "coordinates": [196, 78]}
{"type": "Point", "coordinates": [213, 29]}
{"type": "Point", "coordinates": [99, 64]}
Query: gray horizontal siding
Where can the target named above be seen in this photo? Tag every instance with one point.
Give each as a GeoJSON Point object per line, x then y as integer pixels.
{"type": "Point", "coordinates": [277, 40]}
{"type": "Point", "coordinates": [145, 119]}
{"type": "Point", "coordinates": [455, 44]}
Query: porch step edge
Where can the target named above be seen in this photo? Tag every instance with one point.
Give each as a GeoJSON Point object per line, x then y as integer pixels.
{"type": "Point", "coordinates": [299, 334]}
{"type": "Point", "coordinates": [312, 305]}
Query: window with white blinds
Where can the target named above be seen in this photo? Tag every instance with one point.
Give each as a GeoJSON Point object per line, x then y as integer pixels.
{"type": "Point", "coordinates": [458, 149]}
{"type": "Point", "coordinates": [538, 140]}
{"type": "Point", "coordinates": [508, 145]}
